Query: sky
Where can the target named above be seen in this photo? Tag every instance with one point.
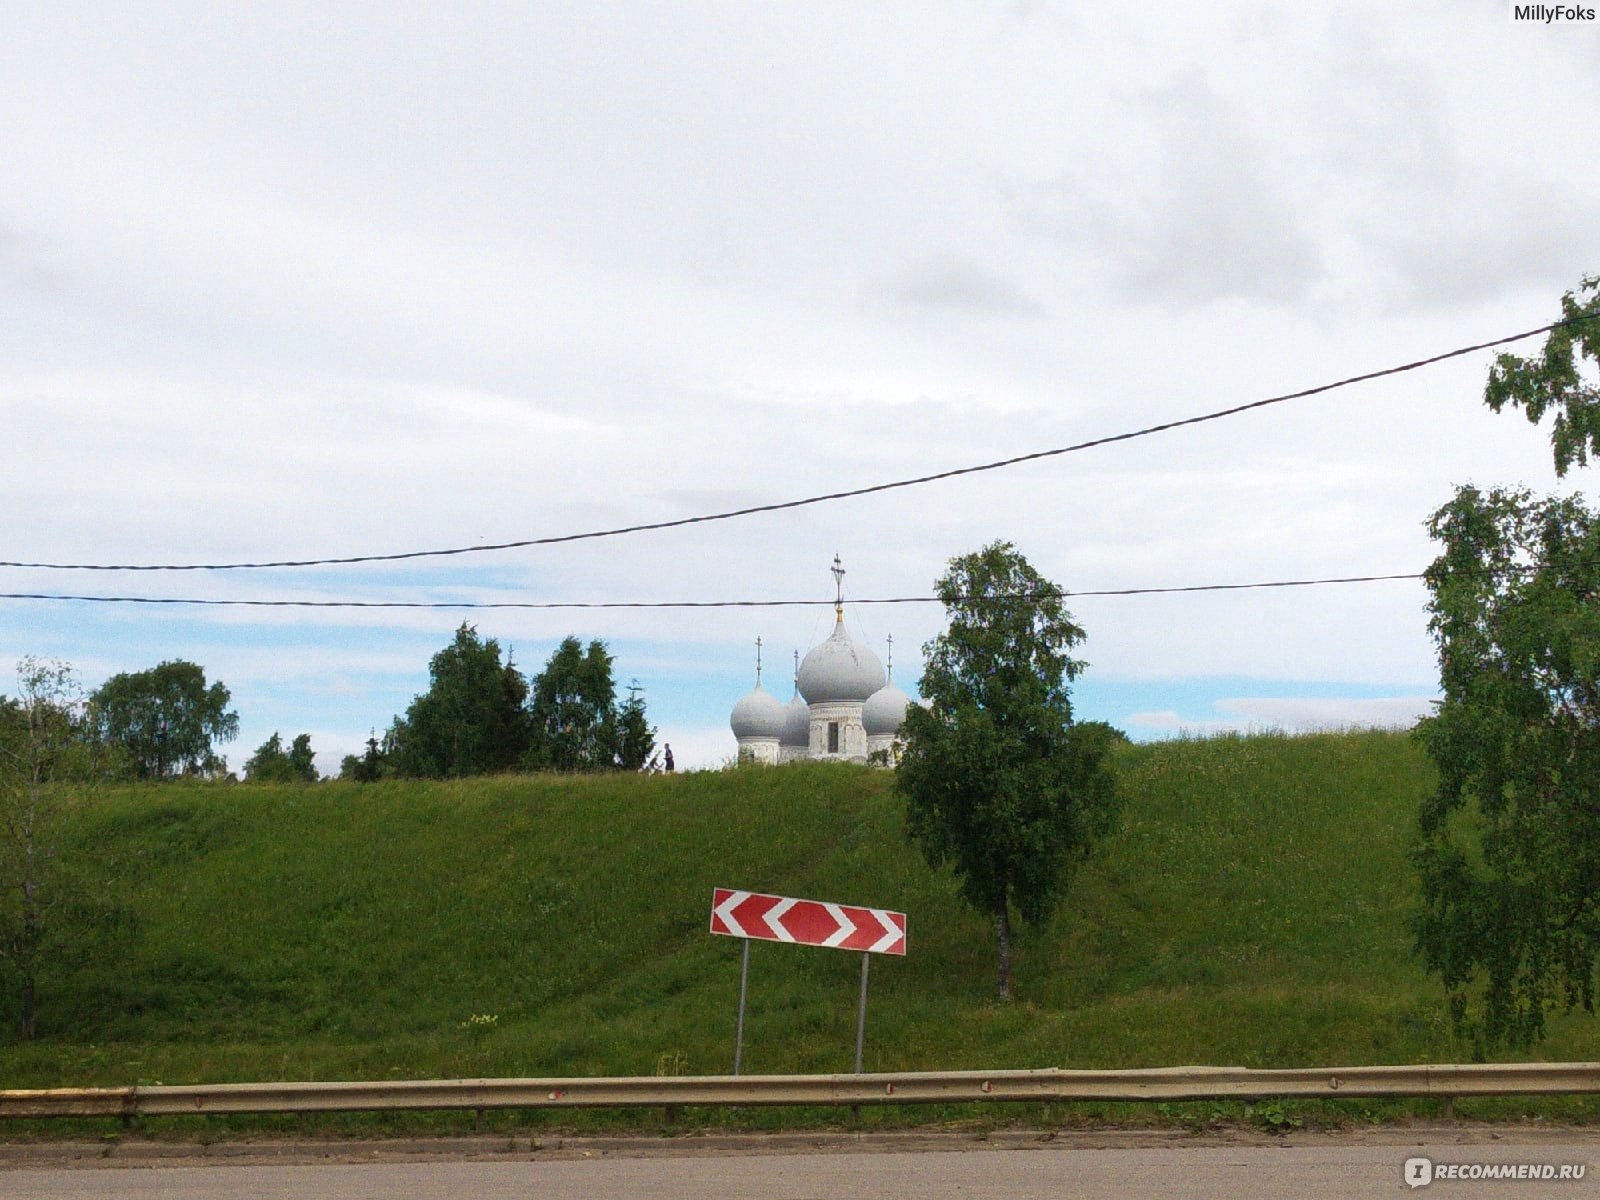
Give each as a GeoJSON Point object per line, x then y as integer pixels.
{"type": "Point", "coordinates": [289, 281]}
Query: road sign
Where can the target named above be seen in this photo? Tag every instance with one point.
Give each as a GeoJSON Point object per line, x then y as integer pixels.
{"type": "Point", "coordinates": [807, 922]}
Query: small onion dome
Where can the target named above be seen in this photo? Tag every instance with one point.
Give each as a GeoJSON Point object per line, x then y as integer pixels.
{"type": "Point", "coordinates": [839, 669]}
{"type": "Point", "coordinates": [885, 711]}
{"type": "Point", "coordinates": [760, 714]}
{"type": "Point", "coordinates": [796, 723]}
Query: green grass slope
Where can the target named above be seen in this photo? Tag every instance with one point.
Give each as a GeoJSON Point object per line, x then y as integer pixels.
{"type": "Point", "coordinates": [1251, 910]}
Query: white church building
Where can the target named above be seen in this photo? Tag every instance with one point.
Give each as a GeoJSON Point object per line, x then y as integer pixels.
{"type": "Point", "coordinates": [845, 706]}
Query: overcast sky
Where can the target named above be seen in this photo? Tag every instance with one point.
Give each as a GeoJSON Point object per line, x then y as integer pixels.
{"type": "Point", "coordinates": [295, 280]}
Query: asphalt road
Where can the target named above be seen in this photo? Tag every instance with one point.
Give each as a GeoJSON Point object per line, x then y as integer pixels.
{"type": "Point", "coordinates": [1320, 1167]}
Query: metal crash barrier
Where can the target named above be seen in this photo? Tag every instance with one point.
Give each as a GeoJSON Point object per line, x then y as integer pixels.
{"type": "Point", "coordinates": [918, 1087]}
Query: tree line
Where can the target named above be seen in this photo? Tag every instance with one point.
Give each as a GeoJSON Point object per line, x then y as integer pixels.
{"type": "Point", "coordinates": [158, 724]}
{"type": "Point", "coordinates": [481, 716]}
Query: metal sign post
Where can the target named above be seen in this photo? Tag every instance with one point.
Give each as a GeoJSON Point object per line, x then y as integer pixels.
{"type": "Point", "coordinates": [751, 915]}
{"type": "Point", "coordinates": [738, 1033]}
{"type": "Point", "coordinates": [861, 1010]}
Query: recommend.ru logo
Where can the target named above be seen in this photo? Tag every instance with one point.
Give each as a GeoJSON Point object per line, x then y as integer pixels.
{"type": "Point", "coordinates": [1420, 1172]}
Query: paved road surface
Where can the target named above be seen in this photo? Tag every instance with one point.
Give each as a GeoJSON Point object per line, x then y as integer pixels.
{"type": "Point", "coordinates": [1322, 1168]}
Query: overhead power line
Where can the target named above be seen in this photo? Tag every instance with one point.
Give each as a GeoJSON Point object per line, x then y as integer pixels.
{"type": "Point", "coordinates": [823, 498]}
{"type": "Point", "coordinates": [565, 604]}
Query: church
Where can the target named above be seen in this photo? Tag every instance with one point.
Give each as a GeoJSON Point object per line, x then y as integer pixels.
{"type": "Point", "coordinates": [845, 706]}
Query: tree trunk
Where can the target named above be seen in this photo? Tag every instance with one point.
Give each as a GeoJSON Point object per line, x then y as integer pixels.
{"type": "Point", "coordinates": [1002, 933]}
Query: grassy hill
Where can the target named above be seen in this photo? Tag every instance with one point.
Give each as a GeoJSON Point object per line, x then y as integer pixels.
{"type": "Point", "coordinates": [1251, 910]}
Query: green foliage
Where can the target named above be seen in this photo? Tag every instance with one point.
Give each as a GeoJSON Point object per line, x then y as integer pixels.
{"type": "Point", "coordinates": [636, 738]}
{"type": "Point", "coordinates": [42, 743]}
{"type": "Point", "coordinates": [1109, 733]}
{"type": "Point", "coordinates": [1555, 380]}
{"type": "Point", "coordinates": [574, 710]}
{"type": "Point", "coordinates": [165, 719]}
{"type": "Point", "coordinates": [1510, 847]}
{"type": "Point", "coordinates": [998, 782]}
{"type": "Point", "coordinates": [470, 721]}
{"type": "Point", "coordinates": [302, 759]}
{"type": "Point", "coordinates": [372, 766]}
{"type": "Point", "coordinates": [272, 764]}
{"type": "Point", "coordinates": [480, 717]}
{"type": "Point", "coordinates": [1275, 1117]}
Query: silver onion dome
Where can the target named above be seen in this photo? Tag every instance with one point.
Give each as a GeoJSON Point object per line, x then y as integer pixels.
{"type": "Point", "coordinates": [759, 714]}
{"type": "Point", "coordinates": [885, 711]}
{"type": "Point", "coordinates": [796, 724]}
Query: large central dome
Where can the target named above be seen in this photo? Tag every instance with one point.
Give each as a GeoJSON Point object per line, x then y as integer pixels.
{"type": "Point", "coordinates": [841, 669]}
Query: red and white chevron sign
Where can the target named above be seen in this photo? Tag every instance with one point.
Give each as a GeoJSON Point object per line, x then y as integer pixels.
{"type": "Point", "coordinates": [807, 922]}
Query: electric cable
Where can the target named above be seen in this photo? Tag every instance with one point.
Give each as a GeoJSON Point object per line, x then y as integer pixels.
{"type": "Point", "coordinates": [645, 604]}
{"type": "Point", "coordinates": [825, 497]}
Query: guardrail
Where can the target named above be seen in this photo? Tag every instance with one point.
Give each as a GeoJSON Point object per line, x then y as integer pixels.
{"type": "Point", "coordinates": [923, 1087]}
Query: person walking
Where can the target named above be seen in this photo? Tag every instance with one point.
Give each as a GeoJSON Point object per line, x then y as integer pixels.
{"type": "Point", "coordinates": [666, 751]}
